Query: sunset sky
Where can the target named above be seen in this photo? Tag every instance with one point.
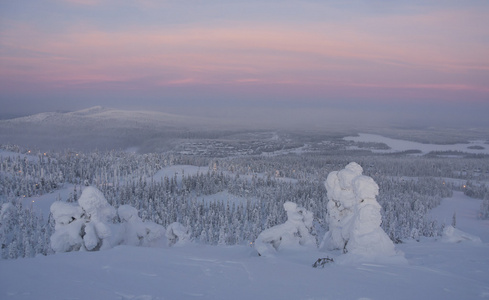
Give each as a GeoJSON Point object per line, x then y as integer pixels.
{"type": "Point", "coordinates": [410, 57]}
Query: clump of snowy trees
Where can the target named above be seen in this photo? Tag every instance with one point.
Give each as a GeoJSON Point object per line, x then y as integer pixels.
{"type": "Point", "coordinates": [23, 232]}
{"type": "Point", "coordinates": [354, 214]}
{"type": "Point", "coordinates": [409, 187]}
{"type": "Point", "coordinates": [94, 224]}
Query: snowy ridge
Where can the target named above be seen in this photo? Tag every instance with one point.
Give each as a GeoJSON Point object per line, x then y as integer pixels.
{"type": "Point", "coordinates": [97, 128]}
{"type": "Point", "coordinates": [89, 111]}
{"type": "Point", "coordinates": [37, 118]}
{"type": "Point", "coordinates": [99, 113]}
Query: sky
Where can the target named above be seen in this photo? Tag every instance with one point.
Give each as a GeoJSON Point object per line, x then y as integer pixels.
{"type": "Point", "coordinates": [379, 59]}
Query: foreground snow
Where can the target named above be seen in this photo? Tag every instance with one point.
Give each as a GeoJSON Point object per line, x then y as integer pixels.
{"type": "Point", "coordinates": [434, 270]}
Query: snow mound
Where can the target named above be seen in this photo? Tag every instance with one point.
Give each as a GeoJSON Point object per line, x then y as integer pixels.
{"type": "Point", "coordinates": [454, 235]}
{"type": "Point", "coordinates": [354, 215]}
{"type": "Point", "coordinates": [294, 233]}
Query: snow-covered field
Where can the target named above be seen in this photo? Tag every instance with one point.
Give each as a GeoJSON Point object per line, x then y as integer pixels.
{"type": "Point", "coordinates": [475, 147]}
{"type": "Point", "coordinates": [434, 270]}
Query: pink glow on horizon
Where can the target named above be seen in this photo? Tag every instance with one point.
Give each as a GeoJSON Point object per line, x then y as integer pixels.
{"type": "Point", "coordinates": [317, 58]}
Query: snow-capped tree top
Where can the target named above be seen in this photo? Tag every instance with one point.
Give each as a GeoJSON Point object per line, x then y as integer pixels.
{"type": "Point", "coordinates": [347, 175]}
{"type": "Point", "coordinates": [128, 213]}
{"type": "Point", "coordinates": [365, 187]}
{"type": "Point", "coordinates": [354, 167]}
{"type": "Point", "coordinates": [298, 214]}
{"type": "Point", "coordinates": [339, 190]}
{"type": "Point", "coordinates": [95, 205]}
{"type": "Point", "coordinates": [64, 213]}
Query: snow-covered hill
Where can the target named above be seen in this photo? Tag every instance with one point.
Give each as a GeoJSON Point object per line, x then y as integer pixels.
{"type": "Point", "coordinates": [97, 128]}
{"type": "Point", "coordinates": [100, 114]}
{"type": "Point", "coordinates": [435, 270]}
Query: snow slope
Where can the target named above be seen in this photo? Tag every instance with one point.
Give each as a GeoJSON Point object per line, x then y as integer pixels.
{"type": "Point", "coordinates": [435, 270]}
{"type": "Point", "coordinates": [98, 128]}
{"type": "Point", "coordinates": [466, 211]}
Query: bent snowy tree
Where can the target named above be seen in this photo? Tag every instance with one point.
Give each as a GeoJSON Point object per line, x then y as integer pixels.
{"type": "Point", "coordinates": [293, 233]}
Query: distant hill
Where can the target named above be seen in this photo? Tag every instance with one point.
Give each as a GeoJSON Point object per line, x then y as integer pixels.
{"type": "Point", "coordinates": [100, 128]}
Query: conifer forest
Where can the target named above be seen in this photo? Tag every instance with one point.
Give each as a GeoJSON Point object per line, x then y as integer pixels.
{"type": "Point", "coordinates": [227, 193]}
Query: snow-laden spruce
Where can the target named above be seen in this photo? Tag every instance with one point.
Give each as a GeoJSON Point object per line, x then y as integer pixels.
{"type": "Point", "coordinates": [354, 215]}
{"type": "Point", "coordinates": [91, 225]}
{"type": "Point", "coordinates": [295, 232]}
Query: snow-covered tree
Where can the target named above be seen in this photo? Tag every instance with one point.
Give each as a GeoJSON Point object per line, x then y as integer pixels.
{"type": "Point", "coordinates": [135, 232]}
{"type": "Point", "coordinates": [177, 234]}
{"type": "Point", "coordinates": [294, 233]}
{"type": "Point", "coordinates": [354, 216]}
{"type": "Point", "coordinates": [90, 226]}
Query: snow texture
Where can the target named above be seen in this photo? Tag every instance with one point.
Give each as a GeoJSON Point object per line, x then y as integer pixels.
{"type": "Point", "coordinates": [294, 233]}
{"type": "Point", "coordinates": [354, 215]}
